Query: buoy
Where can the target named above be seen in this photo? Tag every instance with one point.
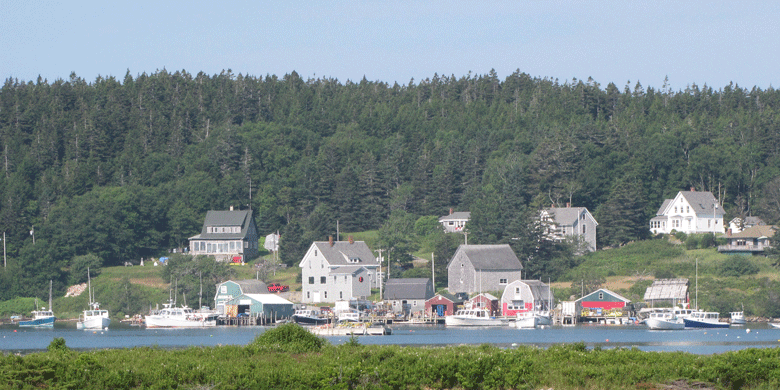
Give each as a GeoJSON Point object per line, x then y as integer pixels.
{"type": "Point", "coordinates": [747, 330]}
{"type": "Point", "coordinates": [607, 340]}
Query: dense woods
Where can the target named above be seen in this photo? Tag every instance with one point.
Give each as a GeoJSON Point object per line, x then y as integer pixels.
{"type": "Point", "coordinates": [125, 169]}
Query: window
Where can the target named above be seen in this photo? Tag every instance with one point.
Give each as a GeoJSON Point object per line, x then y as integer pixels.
{"type": "Point", "coordinates": [601, 295]}
{"type": "Point", "coordinates": [323, 279]}
{"type": "Point", "coordinates": [583, 229]}
{"type": "Point", "coordinates": [315, 253]}
{"type": "Point", "coordinates": [675, 209]}
{"type": "Point", "coordinates": [311, 279]}
{"type": "Point", "coordinates": [334, 278]}
{"type": "Point", "coordinates": [687, 209]}
{"type": "Point", "coordinates": [232, 245]}
{"type": "Point", "coordinates": [501, 281]}
{"type": "Point", "coordinates": [341, 294]}
{"type": "Point", "coordinates": [308, 295]}
{"type": "Point", "coordinates": [414, 303]}
{"type": "Point", "coordinates": [517, 290]}
{"type": "Point", "coordinates": [326, 294]}
{"type": "Point", "coordinates": [223, 289]}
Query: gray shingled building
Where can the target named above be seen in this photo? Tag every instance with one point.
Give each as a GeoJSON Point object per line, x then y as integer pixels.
{"type": "Point", "coordinates": [408, 295]}
{"type": "Point", "coordinates": [476, 268]}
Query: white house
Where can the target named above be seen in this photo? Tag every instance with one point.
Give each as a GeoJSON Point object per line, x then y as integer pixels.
{"type": "Point", "coordinates": [336, 271]}
{"type": "Point", "coordinates": [455, 222]}
{"type": "Point", "coordinates": [689, 212]}
{"type": "Point", "coordinates": [562, 222]}
{"type": "Point", "coordinates": [738, 224]}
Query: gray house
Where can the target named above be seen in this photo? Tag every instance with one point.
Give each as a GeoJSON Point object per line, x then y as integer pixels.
{"type": "Point", "coordinates": [455, 222]}
{"type": "Point", "coordinates": [228, 235]}
{"type": "Point", "coordinates": [336, 271]}
{"type": "Point", "coordinates": [408, 295]}
{"type": "Point", "coordinates": [562, 222]}
{"type": "Point", "coordinates": [476, 268]}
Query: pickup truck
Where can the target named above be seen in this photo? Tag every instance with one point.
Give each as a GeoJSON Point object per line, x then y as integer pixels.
{"type": "Point", "coordinates": [276, 287]}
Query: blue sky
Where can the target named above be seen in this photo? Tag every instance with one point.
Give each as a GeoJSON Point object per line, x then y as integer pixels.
{"type": "Point", "coordinates": [701, 42]}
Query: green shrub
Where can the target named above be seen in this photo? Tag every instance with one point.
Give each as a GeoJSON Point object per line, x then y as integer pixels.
{"type": "Point", "coordinates": [738, 266]}
{"type": "Point", "coordinates": [287, 338]}
{"type": "Point", "coordinates": [56, 345]}
{"type": "Point", "coordinates": [679, 235]}
{"type": "Point", "coordinates": [692, 242]}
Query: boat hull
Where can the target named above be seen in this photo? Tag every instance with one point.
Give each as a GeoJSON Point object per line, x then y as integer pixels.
{"type": "Point", "coordinates": [691, 323]}
{"type": "Point", "coordinates": [38, 323]}
{"type": "Point", "coordinates": [454, 320]}
{"type": "Point", "coordinates": [661, 324]}
{"type": "Point", "coordinates": [306, 320]}
{"type": "Point", "coordinates": [527, 322]}
{"type": "Point", "coordinates": [158, 322]}
{"type": "Point", "coordinates": [94, 323]}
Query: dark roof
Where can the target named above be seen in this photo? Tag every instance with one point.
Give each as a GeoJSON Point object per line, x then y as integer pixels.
{"type": "Point", "coordinates": [252, 286]}
{"type": "Point", "coordinates": [756, 232]}
{"type": "Point", "coordinates": [491, 257]}
{"type": "Point", "coordinates": [702, 203]}
{"type": "Point", "coordinates": [226, 218]}
{"type": "Point", "coordinates": [568, 215]}
{"type": "Point", "coordinates": [664, 206]}
{"type": "Point", "coordinates": [344, 253]}
{"type": "Point", "coordinates": [539, 290]}
{"type": "Point", "coordinates": [449, 297]}
{"type": "Point", "coordinates": [408, 288]}
{"type": "Point", "coordinates": [348, 270]}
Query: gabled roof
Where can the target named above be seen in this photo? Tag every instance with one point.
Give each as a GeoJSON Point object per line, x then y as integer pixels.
{"type": "Point", "coordinates": [702, 203]}
{"type": "Point", "coordinates": [458, 215]}
{"type": "Point", "coordinates": [490, 257]}
{"type": "Point", "coordinates": [250, 286]}
{"type": "Point", "coordinates": [568, 215]}
{"type": "Point", "coordinates": [604, 290]}
{"type": "Point", "coordinates": [344, 253]}
{"type": "Point", "coordinates": [226, 218]}
{"type": "Point", "coordinates": [446, 296]}
{"type": "Point", "coordinates": [756, 232]}
{"type": "Point", "coordinates": [487, 296]}
{"type": "Point", "coordinates": [674, 289]}
{"type": "Point", "coordinates": [268, 299]}
{"type": "Point", "coordinates": [407, 288]}
{"type": "Point", "coordinates": [346, 270]}
{"type": "Point", "coordinates": [539, 290]}
{"type": "Point", "coordinates": [664, 206]}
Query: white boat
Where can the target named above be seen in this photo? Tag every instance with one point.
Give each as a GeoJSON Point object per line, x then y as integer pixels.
{"type": "Point", "coordinates": [533, 319]}
{"type": "Point", "coordinates": [349, 315]}
{"type": "Point", "coordinates": [350, 329]}
{"type": "Point", "coordinates": [472, 317]}
{"type": "Point", "coordinates": [180, 317]}
{"type": "Point", "coordinates": [94, 317]}
{"type": "Point", "coordinates": [775, 325]}
{"type": "Point", "coordinates": [737, 318]}
{"type": "Point", "coordinates": [664, 320]}
{"type": "Point", "coordinates": [704, 319]}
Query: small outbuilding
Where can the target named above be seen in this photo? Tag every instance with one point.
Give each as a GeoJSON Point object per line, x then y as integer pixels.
{"type": "Point", "coordinates": [269, 306]}
{"type": "Point", "coordinates": [441, 305]}
{"type": "Point", "coordinates": [602, 302]}
{"type": "Point", "coordinates": [525, 295]}
{"type": "Point", "coordinates": [671, 291]}
{"type": "Point", "coordinates": [485, 300]}
{"type": "Point", "coordinates": [408, 295]}
{"type": "Point", "coordinates": [232, 288]}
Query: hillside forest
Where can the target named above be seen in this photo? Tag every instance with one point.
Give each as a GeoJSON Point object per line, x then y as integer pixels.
{"type": "Point", "coordinates": [123, 169]}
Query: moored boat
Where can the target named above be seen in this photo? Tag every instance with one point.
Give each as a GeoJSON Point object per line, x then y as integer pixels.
{"type": "Point", "coordinates": [664, 320]}
{"type": "Point", "coordinates": [472, 317]}
{"type": "Point", "coordinates": [94, 317]}
{"type": "Point", "coordinates": [704, 319]}
{"type": "Point", "coordinates": [775, 325]}
{"type": "Point", "coordinates": [309, 317]}
{"type": "Point", "coordinates": [526, 320]}
{"type": "Point", "coordinates": [40, 319]}
{"type": "Point", "coordinates": [737, 318]}
{"type": "Point", "coordinates": [180, 317]}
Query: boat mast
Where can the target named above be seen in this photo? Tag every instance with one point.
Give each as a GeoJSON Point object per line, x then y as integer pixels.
{"type": "Point", "coordinates": [50, 308]}
{"type": "Point", "coordinates": [697, 284]}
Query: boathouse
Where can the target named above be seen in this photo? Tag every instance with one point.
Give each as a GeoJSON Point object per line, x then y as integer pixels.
{"type": "Point", "coordinates": [486, 301]}
{"type": "Point", "coordinates": [525, 295]}
{"type": "Point", "coordinates": [441, 305]}
{"type": "Point", "coordinates": [269, 307]}
{"type": "Point", "coordinates": [408, 295]}
{"type": "Point", "coordinates": [603, 303]}
{"type": "Point", "coordinates": [233, 288]}
{"type": "Point", "coordinates": [669, 291]}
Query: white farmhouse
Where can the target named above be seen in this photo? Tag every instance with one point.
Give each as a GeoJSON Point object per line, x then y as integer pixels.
{"type": "Point", "coordinates": [336, 271]}
{"type": "Point", "coordinates": [455, 222]}
{"type": "Point", "coordinates": [689, 212]}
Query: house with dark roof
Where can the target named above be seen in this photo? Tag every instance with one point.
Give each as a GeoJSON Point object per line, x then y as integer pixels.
{"type": "Point", "coordinates": [228, 235]}
{"type": "Point", "coordinates": [455, 222]}
{"type": "Point", "coordinates": [562, 222]}
{"type": "Point", "coordinates": [230, 289]}
{"type": "Point", "coordinates": [739, 224]}
{"type": "Point", "coordinates": [752, 240]}
{"type": "Point", "coordinates": [689, 212]}
{"type": "Point", "coordinates": [477, 268]}
{"type": "Point", "coordinates": [338, 270]}
{"type": "Point", "coordinates": [408, 295]}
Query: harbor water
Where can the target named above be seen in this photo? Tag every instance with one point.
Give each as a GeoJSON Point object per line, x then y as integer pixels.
{"type": "Point", "coordinates": [697, 341]}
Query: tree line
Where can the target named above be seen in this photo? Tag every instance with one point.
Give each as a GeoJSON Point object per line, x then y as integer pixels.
{"type": "Point", "coordinates": [125, 169]}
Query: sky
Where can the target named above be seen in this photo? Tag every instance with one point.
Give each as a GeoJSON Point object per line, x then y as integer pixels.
{"type": "Point", "coordinates": [622, 42]}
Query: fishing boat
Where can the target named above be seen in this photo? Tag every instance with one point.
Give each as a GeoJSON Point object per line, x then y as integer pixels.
{"type": "Point", "coordinates": [349, 328]}
{"type": "Point", "coordinates": [664, 319]}
{"type": "Point", "coordinates": [94, 317]}
{"type": "Point", "coordinates": [738, 317]}
{"type": "Point", "coordinates": [41, 318]}
{"type": "Point", "coordinates": [180, 317]}
{"type": "Point", "coordinates": [704, 319]}
{"type": "Point", "coordinates": [309, 317]}
{"type": "Point", "coordinates": [526, 320]}
{"type": "Point", "coordinates": [472, 317]}
{"type": "Point", "coordinates": [775, 325]}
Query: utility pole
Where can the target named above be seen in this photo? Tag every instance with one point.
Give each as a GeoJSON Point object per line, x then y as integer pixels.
{"type": "Point", "coordinates": [433, 273]}
{"type": "Point", "coordinates": [5, 262]}
{"type": "Point", "coordinates": [379, 275]}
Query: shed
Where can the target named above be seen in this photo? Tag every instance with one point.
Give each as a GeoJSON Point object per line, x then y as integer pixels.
{"type": "Point", "coordinates": [441, 305]}
{"type": "Point", "coordinates": [487, 301]}
{"type": "Point", "coordinates": [600, 301]}
{"type": "Point", "coordinates": [525, 295]}
{"type": "Point", "coordinates": [671, 291]}
{"type": "Point", "coordinates": [408, 295]}
{"type": "Point", "coordinates": [270, 306]}
{"type": "Point", "coordinates": [232, 288]}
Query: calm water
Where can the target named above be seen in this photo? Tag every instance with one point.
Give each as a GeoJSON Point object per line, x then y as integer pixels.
{"type": "Point", "coordinates": [705, 341]}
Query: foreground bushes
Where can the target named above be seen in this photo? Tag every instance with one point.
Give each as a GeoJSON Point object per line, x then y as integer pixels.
{"type": "Point", "coordinates": [303, 362]}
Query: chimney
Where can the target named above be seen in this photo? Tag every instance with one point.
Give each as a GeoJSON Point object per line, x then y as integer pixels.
{"type": "Point", "coordinates": [351, 240]}
{"type": "Point", "coordinates": [330, 240]}
{"type": "Point", "coordinates": [728, 232]}
{"type": "Point", "coordinates": [693, 189]}
{"type": "Point", "coordinates": [231, 207]}
{"type": "Point", "coordinates": [552, 205]}
{"type": "Point", "coordinates": [568, 205]}
{"type": "Point", "coordinates": [450, 210]}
